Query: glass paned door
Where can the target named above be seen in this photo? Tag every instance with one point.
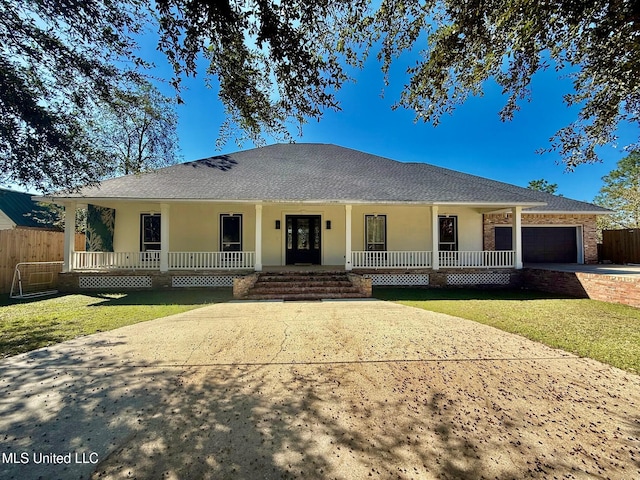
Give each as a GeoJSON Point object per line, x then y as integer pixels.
{"type": "Point", "coordinates": [303, 239]}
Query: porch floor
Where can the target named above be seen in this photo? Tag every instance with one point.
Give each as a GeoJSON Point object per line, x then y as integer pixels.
{"type": "Point", "coordinates": [302, 268]}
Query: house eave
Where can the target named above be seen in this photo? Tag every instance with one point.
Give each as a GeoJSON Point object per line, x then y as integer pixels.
{"type": "Point", "coordinates": [78, 199]}
{"type": "Point", "coordinates": [567, 212]}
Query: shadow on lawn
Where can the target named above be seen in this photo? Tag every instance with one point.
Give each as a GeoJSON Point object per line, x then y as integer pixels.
{"type": "Point", "coordinates": [5, 300]}
{"type": "Point", "coordinates": [185, 296]}
{"type": "Point", "coordinates": [425, 294]}
{"type": "Point", "coordinates": [268, 421]}
{"type": "Point", "coordinates": [199, 296]}
{"type": "Point", "coordinates": [25, 335]}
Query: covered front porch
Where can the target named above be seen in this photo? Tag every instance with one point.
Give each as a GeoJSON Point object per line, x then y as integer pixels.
{"type": "Point", "coordinates": [259, 236]}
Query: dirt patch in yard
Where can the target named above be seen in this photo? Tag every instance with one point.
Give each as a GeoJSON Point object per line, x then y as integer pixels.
{"type": "Point", "coordinates": [322, 390]}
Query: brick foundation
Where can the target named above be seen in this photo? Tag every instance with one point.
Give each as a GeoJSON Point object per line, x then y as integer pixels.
{"type": "Point", "coordinates": [363, 284]}
{"type": "Point", "coordinates": [242, 285]}
{"type": "Point", "coordinates": [587, 222]}
{"type": "Point", "coordinates": [606, 288]}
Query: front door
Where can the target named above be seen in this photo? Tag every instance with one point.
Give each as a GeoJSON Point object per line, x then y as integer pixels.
{"type": "Point", "coordinates": [303, 239]}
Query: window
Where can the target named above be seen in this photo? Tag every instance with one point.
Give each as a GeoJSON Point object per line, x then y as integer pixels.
{"type": "Point", "coordinates": [448, 234]}
{"type": "Point", "coordinates": [149, 232]}
{"type": "Point", "coordinates": [230, 233]}
{"type": "Point", "coordinates": [376, 232]}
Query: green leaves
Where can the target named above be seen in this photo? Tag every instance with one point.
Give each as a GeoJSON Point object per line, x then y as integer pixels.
{"type": "Point", "coordinates": [469, 42]}
{"type": "Point", "coordinates": [275, 62]}
{"type": "Point", "coordinates": [543, 185]}
{"type": "Point", "coordinates": [56, 67]}
{"type": "Point", "coordinates": [621, 193]}
{"type": "Point", "coordinates": [279, 64]}
{"type": "Point", "coordinates": [138, 130]}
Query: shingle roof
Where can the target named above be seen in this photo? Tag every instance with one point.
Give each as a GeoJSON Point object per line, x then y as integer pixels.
{"type": "Point", "coordinates": [23, 211]}
{"type": "Point", "coordinates": [318, 172]}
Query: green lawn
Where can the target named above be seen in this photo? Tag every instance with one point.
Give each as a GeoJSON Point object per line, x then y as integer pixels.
{"type": "Point", "coordinates": [603, 331]}
{"type": "Point", "coordinates": [27, 325]}
{"type": "Point", "coordinates": [606, 332]}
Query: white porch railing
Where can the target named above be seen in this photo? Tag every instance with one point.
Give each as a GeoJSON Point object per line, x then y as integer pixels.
{"type": "Point", "coordinates": [423, 259]}
{"type": "Point", "coordinates": [211, 260]}
{"type": "Point", "coordinates": [477, 259]}
{"type": "Point", "coordinates": [394, 259]}
{"type": "Point", "coordinates": [150, 260]}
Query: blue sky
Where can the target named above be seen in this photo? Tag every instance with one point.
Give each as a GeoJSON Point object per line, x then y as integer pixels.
{"type": "Point", "coordinates": [473, 139]}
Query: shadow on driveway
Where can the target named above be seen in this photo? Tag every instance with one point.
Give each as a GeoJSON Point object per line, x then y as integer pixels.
{"type": "Point", "coordinates": [486, 418]}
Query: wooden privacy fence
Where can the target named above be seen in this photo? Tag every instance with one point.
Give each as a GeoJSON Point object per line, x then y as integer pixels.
{"type": "Point", "coordinates": [30, 245]}
{"type": "Point", "coordinates": [621, 246]}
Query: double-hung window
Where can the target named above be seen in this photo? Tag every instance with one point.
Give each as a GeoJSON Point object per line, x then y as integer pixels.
{"type": "Point", "coordinates": [149, 232]}
{"type": "Point", "coordinates": [231, 232]}
{"type": "Point", "coordinates": [376, 233]}
{"type": "Point", "coordinates": [448, 241]}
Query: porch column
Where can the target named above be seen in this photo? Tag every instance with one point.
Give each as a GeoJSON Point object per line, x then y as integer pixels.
{"type": "Point", "coordinates": [258, 265]}
{"type": "Point", "coordinates": [516, 240]}
{"type": "Point", "coordinates": [164, 237]}
{"type": "Point", "coordinates": [69, 236]}
{"type": "Point", "coordinates": [435, 238]}
{"type": "Point", "coordinates": [347, 241]}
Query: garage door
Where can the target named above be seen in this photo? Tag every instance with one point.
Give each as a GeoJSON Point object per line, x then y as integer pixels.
{"type": "Point", "coordinates": [542, 244]}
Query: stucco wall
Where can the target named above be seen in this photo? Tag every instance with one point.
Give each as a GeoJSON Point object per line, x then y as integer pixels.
{"type": "Point", "coordinates": [409, 227]}
{"type": "Point", "coordinates": [332, 241]}
{"type": "Point", "coordinates": [126, 233]}
{"type": "Point", "coordinates": [586, 222]}
{"type": "Point", "coordinates": [196, 227]}
{"type": "Point", "coordinates": [193, 227]}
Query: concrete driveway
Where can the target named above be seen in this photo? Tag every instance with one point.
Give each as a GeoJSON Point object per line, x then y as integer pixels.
{"type": "Point", "coordinates": [348, 390]}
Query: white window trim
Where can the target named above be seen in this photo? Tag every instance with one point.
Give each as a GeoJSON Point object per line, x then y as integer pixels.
{"type": "Point", "coordinates": [366, 233]}
{"type": "Point", "coordinates": [455, 232]}
{"type": "Point", "coordinates": [143, 244]}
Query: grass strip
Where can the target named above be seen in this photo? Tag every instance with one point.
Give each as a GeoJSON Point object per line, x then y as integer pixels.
{"type": "Point", "coordinates": [37, 323]}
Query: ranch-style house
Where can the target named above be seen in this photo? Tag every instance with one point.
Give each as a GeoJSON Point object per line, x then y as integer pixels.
{"type": "Point", "coordinates": [282, 206]}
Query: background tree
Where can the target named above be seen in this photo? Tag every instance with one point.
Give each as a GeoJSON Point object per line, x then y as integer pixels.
{"type": "Point", "coordinates": [57, 65]}
{"type": "Point", "coordinates": [621, 193]}
{"type": "Point", "coordinates": [138, 130]}
{"type": "Point", "coordinates": [543, 185]}
{"type": "Point", "coordinates": [275, 62]}
{"type": "Point", "coordinates": [465, 43]}
{"type": "Point", "coordinates": [279, 64]}
{"type": "Point", "coordinates": [53, 214]}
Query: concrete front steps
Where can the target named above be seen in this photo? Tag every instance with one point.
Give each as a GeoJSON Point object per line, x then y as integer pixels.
{"type": "Point", "coordinates": [303, 286]}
